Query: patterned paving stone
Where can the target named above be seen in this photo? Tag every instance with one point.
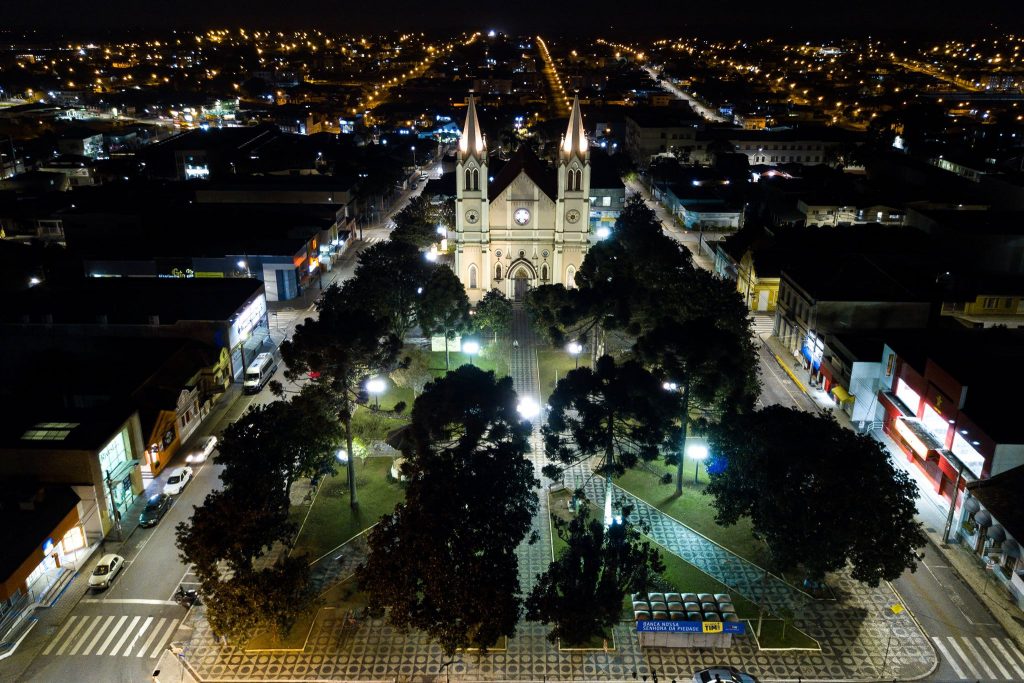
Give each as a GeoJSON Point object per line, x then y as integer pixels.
{"type": "Point", "coordinates": [853, 633]}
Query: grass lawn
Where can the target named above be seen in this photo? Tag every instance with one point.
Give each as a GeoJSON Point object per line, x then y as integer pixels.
{"type": "Point", "coordinates": [331, 521]}
{"type": "Point", "coordinates": [553, 365]}
{"type": "Point", "coordinates": [692, 508]}
{"type": "Point", "coordinates": [370, 425]}
{"type": "Point", "coordinates": [457, 359]}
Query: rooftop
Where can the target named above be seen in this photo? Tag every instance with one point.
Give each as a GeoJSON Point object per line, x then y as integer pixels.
{"type": "Point", "coordinates": [28, 515]}
{"type": "Point", "coordinates": [1001, 496]}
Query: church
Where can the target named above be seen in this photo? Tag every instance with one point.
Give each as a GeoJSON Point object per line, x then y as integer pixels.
{"type": "Point", "coordinates": [527, 226]}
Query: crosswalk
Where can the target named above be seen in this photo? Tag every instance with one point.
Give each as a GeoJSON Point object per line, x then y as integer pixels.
{"type": "Point", "coordinates": [112, 636]}
{"type": "Point", "coordinates": [762, 323]}
{"type": "Point", "coordinates": [981, 657]}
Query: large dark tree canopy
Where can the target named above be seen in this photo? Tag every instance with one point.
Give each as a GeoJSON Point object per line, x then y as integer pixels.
{"type": "Point", "coordinates": [445, 561]}
{"type": "Point", "coordinates": [817, 494]}
{"type": "Point", "coordinates": [618, 411]}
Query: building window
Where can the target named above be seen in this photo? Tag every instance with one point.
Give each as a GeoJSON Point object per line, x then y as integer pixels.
{"type": "Point", "coordinates": [544, 272]}
{"type": "Point", "coordinates": [497, 272]}
{"type": "Point", "coordinates": [570, 277]}
{"type": "Point", "coordinates": [476, 179]}
{"type": "Point", "coordinates": [472, 277]}
{"type": "Point", "coordinates": [469, 179]}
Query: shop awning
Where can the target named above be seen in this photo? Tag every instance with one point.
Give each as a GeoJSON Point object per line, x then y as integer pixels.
{"type": "Point", "coordinates": [982, 518]}
{"type": "Point", "coordinates": [996, 533]}
{"type": "Point", "coordinates": [971, 505]}
{"type": "Point", "coordinates": [1011, 548]}
{"type": "Point", "coordinates": [841, 394]}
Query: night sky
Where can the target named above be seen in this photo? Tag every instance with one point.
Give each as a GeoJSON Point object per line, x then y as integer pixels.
{"type": "Point", "coordinates": [811, 19]}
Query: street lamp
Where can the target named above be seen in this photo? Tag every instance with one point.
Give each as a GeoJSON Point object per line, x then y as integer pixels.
{"type": "Point", "coordinates": [413, 148]}
{"type": "Point", "coordinates": [342, 456]}
{"type": "Point", "coordinates": [602, 233]}
{"type": "Point", "coordinates": [471, 348]}
{"type": "Point", "coordinates": [528, 408]}
{"type": "Point", "coordinates": [697, 452]}
{"type": "Point", "coordinates": [574, 349]}
{"type": "Point", "coordinates": [244, 265]}
{"type": "Point", "coordinates": [376, 386]}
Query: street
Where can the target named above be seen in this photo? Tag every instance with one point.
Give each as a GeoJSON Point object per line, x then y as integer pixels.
{"type": "Point", "coordinates": [119, 634]}
{"type": "Point", "coordinates": [968, 642]}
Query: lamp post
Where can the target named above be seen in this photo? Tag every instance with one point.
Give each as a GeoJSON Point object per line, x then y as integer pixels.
{"type": "Point", "coordinates": [574, 349]}
{"type": "Point", "coordinates": [697, 452]}
{"type": "Point", "coordinates": [376, 386]}
{"type": "Point", "coordinates": [413, 148]}
{"type": "Point", "coordinates": [244, 265]}
{"type": "Point", "coordinates": [471, 348]}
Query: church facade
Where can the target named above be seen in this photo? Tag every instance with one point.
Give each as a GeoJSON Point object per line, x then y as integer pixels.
{"type": "Point", "coordinates": [526, 227]}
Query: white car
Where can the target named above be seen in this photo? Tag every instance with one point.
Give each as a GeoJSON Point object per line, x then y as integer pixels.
{"type": "Point", "coordinates": [179, 478]}
{"type": "Point", "coordinates": [202, 450]}
{"type": "Point", "coordinates": [723, 675]}
{"type": "Point", "coordinates": [107, 568]}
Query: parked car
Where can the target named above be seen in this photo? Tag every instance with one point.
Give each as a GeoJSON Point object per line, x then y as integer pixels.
{"type": "Point", "coordinates": [155, 509]}
{"type": "Point", "coordinates": [178, 480]}
{"type": "Point", "coordinates": [107, 568]}
{"type": "Point", "coordinates": [723, 674]}
{"type": "Point", "coordinates": [202, 451]}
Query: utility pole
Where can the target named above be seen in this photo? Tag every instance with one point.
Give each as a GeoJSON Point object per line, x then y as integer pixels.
{"type": "Point", "coordinates": [113, 505]}
{"type": "Point", "coordinates": [952, 505]}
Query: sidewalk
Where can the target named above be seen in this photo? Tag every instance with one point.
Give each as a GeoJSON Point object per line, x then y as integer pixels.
{"type": "Point", "coordinates": [932, 509]}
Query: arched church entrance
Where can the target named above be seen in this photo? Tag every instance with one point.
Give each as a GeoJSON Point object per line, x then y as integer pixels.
{"type": "Point", "coordinates": [520, 284]}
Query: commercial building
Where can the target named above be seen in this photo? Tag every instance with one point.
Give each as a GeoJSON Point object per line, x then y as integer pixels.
{"type": "Point", "coordinates": [94, 451]}
{"type": "Point", "coordinates": [229, 314]}
{"type": "Point", "coordinates": [851, 292]}
{"type": "Point", "coordinates": [44, 541]}
{"type": "Point", "coordinates": [651, 131]}
{"type": "Point", "coordinates": [991, 525]}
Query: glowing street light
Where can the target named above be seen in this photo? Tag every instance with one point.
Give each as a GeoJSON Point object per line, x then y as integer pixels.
{"type": "Point", "coordinates": [342, 456]}
{"type": "Point", "coordinates": [528, 408]}
{"type": "Point", "coordinates": [603, 233]}
{"type": "Point", "coordinates": [574, 349]}
{"type": "Point", "coordinates": [698, 452]}
{"type": "Point", "coordinates": [376, 386]}
{"type": "Point", "coordinates": [471, 348]}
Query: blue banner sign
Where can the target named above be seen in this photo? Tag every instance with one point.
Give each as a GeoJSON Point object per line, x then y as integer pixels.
{"type": "Point", "coordinates": [658, 626]}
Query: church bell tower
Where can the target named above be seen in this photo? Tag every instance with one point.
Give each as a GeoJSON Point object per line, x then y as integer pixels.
{"type": "Point", "coordinates": [572, 217]}
{"type": "Point", "coordinates": [471, 206]}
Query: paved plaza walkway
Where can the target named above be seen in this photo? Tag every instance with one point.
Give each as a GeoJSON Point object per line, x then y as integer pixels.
{"type": "Point", "coordinates": [854, 632]}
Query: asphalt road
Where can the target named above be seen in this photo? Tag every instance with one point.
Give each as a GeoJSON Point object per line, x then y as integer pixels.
{"type": "Point", "coordinates": [119, 634]}
{"type": "Point", "coordinates": [970, 645]}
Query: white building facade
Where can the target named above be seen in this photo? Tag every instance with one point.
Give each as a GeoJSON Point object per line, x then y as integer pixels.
{"type": "Point", "coordinates": [527, 226]}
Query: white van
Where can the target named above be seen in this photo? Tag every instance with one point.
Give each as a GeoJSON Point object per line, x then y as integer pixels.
{"type": "Point", "coordinates": [259, 373]}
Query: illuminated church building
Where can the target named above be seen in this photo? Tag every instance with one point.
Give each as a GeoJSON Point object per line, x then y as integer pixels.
{"type": "Point", "coordinates": [527, 226]}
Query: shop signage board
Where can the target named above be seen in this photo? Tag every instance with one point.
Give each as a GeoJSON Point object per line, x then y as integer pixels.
{"type": "Point", "coordinates": [659, 626]}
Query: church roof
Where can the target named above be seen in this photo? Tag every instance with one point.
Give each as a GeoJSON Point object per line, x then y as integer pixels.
{"type": "Point", "coordinates": [525, 161]}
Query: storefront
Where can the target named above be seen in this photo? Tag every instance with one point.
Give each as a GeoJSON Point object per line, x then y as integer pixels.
{"type": "Point", "coordinates": [117, 467]}
{"type": "Point", "coordinates": [46, 539]}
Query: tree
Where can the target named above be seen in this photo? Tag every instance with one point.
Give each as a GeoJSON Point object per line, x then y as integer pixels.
{"type": "Point", "coordinates": [443, 307]}
{"type": "Point", "coordinates": [620, 412]}
{"type": "Point", "coordinates": [282, 441]}
{"type": "Point", "coordinates": [388, 281]}
{"type": "Point", "coordinates": [444, 561]}
{"type": "Point", "coordinates": [342, 348]}
{"type": "Point", "coordinates": [817, 494]}
{"type": "Point", "coordinates": [247, 602]}
{"type": "Point", "coordinates": [234, 526]}
{"type": "Point", "coordinates": [714, 369]}
{"type": "Point", "coordinates": [416, 224]}
{"type": "Point", "coordinates": [581, 592]}
{"type": "Point", "coordinates": [493, 314]}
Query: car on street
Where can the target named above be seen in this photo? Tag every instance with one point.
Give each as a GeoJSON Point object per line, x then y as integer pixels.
{"type": "Point", "coordinates": [723, 674]}
{"type": "Point", "coordinates": [178, 480]}
{"type": "Point", "coordinates": [106, 569]}
{"type": "Point", "coordinates": [155, 509]}
{"type": "Point", "coordinates": [202, 450]}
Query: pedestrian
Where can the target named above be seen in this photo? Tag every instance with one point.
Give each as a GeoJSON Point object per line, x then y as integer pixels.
{"type": "Point", "coordinates": [515, 343]}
